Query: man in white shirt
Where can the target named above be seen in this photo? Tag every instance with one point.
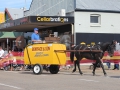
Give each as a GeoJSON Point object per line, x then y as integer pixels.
{"type": "Point", "coordinates": [1, 52]}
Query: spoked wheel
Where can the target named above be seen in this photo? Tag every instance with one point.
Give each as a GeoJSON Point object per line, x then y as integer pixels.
{"type": "Point", "coordinates": [7, 68]}
{"type": "Point", "coordinates": [37, 69]}
{"type": "Point", "coordinates": [54, 69]}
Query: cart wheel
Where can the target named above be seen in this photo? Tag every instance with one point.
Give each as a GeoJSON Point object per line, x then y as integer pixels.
{"type": "Point", "coordinates": [6, 68]}
{"type": "Point", "coordinates": [54, 69]}
{"type": "Point", "coordinates": [37, 69]}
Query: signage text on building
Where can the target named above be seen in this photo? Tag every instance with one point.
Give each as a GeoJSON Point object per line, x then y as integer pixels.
{"type": "Point", "coordinates": [51, 19]}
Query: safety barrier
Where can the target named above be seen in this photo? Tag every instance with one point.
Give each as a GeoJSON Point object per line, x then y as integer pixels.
{"type": "Point", "coordinates": [106, 58]}
{"type": "Point", "coordinates": [14, 58]}
{"type": "Point", "coordinates": [18, 58]}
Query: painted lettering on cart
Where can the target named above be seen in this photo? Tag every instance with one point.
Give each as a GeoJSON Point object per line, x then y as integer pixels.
{"type": "Point", "coordinates": [40, 48]}
{"type": "Point", "coordinates": [51, 19]}
{"type": "Point", "coordinates": [40, 54]}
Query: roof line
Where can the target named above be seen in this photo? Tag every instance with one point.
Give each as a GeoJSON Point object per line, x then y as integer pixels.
{"type": "Point", "coordinates": [6, 10]}
{"type": "Point", "coordinates": [93, 10]}
{"type": "Point", "coordinates": [29, 7]}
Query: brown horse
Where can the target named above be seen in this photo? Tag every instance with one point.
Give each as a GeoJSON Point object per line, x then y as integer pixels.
{"type": "Point", "coordinates": [97, 56]}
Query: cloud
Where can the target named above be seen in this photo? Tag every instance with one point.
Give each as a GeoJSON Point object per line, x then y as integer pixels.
{"type": "Point", "coordinates": [14, 4]}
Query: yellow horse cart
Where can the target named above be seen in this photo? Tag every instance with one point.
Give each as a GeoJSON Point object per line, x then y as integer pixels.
{"type": "Point", "coordinates": [38, 55]}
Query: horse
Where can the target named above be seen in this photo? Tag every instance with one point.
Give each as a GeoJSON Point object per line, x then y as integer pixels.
{"type": "Point", "coordinates": [97, 56]}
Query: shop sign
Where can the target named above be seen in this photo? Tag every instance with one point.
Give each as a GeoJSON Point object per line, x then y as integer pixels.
{"type": "Point", "coordinates": [52, 19]}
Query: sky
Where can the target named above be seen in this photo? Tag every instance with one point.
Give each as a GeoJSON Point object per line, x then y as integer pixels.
{"type": "Point", "coordinates": [14, 4]}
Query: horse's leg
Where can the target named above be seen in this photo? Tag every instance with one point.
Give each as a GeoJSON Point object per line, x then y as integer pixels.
{"type": "Point", "coordinates": [94, 68]}
{"type": "Point", "coordinates": [78, 56]}
{"type": "Point", "coordinates": [100, 61]}
{"type": "Point", "coordinates": [74, 66]}
{"type": "Point", "coordinates": [78, 64]}
{"type": "Point", "coordinates": [74, 63]}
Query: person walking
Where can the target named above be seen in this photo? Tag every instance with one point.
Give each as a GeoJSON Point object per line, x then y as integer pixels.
{"type": "Point", "coordinates": [116, 62]}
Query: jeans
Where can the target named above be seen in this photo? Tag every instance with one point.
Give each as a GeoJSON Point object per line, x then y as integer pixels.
{"type": "Point", "coordinates": [116, 66]}
{"type": "Point", "coordinates": [108, 64]}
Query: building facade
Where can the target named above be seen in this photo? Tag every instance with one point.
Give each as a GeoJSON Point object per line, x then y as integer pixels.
{"type": "Point", "coordinates": [95, 20]}
{"type": "Point", "coordinates": [10, 14]}
{"type": "Point", "coordinates": [96, 26]}
{"type": "Point", "coordinates": [2, 18]}
{"type": "Point", "coordinates": [13, 13]}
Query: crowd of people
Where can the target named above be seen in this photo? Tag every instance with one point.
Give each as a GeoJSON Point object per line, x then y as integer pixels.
{"type": "Point", "coordinates": [8, 54]}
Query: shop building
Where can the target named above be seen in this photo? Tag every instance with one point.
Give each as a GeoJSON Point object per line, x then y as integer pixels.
{"type": "Point", "coordinates": [94, 20]}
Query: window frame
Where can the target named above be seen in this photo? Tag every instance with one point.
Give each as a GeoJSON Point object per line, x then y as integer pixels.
{"type": "Point", "coordinates": [99, 20]}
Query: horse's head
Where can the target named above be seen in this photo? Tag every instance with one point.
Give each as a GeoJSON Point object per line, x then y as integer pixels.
{"type": "Point", "coordinates": [110, 49]}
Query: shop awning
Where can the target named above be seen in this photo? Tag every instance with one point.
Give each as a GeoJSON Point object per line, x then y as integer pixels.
{"type": "Point", "coordinates": [28, 23]}
{"type": "Point", "coordinates": [8, 35]}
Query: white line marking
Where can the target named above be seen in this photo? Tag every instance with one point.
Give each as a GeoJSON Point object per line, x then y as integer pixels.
{"type": "Point", "coordinates": [88, 80]}
{"type": "Point", "coordinates": [10, 72]}
{"type": "Point", "coordinates": [9, 86]}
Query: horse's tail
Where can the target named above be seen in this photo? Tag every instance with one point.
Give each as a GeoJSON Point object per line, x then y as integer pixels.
{"type": "Point", "coordinates": [72, 56]}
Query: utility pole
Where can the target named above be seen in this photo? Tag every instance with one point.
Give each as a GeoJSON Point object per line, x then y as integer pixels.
{"type": "Point", "coordinates": [25, 5]}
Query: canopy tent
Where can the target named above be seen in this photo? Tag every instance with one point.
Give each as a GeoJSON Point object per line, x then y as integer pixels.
{"type": "Point", "coordinates": [8, 35]}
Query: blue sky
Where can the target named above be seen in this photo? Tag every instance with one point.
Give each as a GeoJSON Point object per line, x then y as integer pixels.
{"type": "Point", "coordinates": [14, 4]}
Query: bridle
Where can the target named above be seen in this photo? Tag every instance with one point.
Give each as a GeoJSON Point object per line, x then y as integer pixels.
{"type": "Point", "coordinates": [109, 48]}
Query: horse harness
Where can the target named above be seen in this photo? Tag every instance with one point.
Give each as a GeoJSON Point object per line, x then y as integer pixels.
{"type": "Point", "coordinates": [90, 48]}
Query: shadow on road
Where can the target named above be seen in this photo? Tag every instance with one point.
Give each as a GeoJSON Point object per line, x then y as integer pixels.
{"type": "Point", "coordinates": [115, 77]}
{"type": "Point", "coordinates": [31, 72]}
{"type": "Point", "coordinates": [84, 74]}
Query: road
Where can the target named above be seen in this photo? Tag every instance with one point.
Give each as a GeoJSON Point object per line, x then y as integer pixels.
{"type": "Point", "coordinates": [64, 80]}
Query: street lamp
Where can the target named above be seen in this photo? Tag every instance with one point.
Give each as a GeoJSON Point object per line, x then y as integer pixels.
{"type": "Point", "coordinates": [25, 5]}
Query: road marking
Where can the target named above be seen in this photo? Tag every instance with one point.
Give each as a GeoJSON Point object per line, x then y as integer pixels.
{"type": "Point", "coordinates": [9, 86]}
{"type": "Point", "coordinates": [10, 72]}
{"type": "Point", "coordinates": [88, 80]}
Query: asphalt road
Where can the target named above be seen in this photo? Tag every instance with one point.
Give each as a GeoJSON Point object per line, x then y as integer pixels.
{"type": "Point", "coordinates": [64, 80]}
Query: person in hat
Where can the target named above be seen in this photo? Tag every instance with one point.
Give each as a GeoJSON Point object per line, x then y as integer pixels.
{"type": "Point", "coordinates": [35, 36]}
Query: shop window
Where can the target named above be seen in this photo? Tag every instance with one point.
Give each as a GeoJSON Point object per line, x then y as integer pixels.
{"type": "Point", "coordinates": [95, 19]}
